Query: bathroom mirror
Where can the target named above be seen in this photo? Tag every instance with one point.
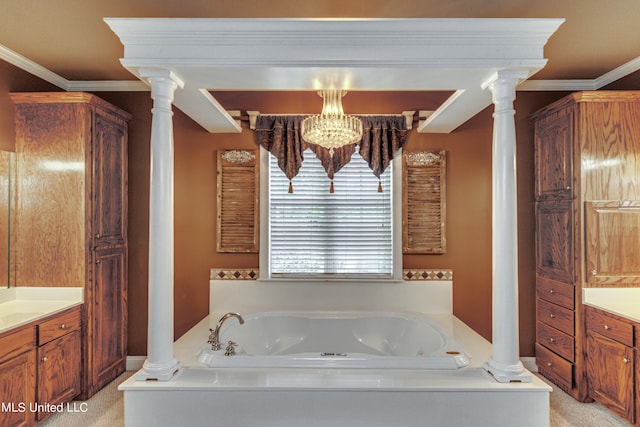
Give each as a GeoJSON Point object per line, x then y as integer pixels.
{"type": "Point", "coordinates": [7, 195]}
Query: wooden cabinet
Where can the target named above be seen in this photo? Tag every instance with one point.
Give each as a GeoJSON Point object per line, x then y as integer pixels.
{"type": "Point", "coordinates": [110, 305]}
{"type": "Point", "coordinates": [610, 362]}
{"type": "Point", "coordinates": [613, 243]}
{"type": "Point", "coordinates": [587, 148]}
{"type": "Point", "coordinates": [556, 249]}
{"type": "Point", "coordinates": [554, 156]}
{"type": "Point", "coordinates": [59, 359]}
{"type": "Point", "coordinates": [40, 363]}
{"type": "Point", "coordinates": [18, 376]}
{"type": "Point", "coordinates": [71, 214]}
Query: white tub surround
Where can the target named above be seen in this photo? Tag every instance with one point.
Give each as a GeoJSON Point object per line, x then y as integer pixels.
{"type": "Point", "coordinates": [623, 302]}
{"type": "Point", "coordinates": [339, 397]}
{"type": "Point", "coordinates": [21, 305]}
{"type": "Point", "coordinates": [505, 364]}
{"type": "Point", "coordinates": [161, 364]}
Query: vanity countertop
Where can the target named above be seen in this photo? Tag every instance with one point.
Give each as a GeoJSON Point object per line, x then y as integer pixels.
{"type": "Point", "coordinates": [21, 305]}
{"type": "Point", "coordinates": [624, 302]}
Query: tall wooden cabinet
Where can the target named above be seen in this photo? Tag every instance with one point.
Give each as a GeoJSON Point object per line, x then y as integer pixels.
{"type": "Point", "coordinates": [587, 159]}
{"type": "Point", "coordinates": [70, 222]}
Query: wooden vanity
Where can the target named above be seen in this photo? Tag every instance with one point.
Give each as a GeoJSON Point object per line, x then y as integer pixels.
{"type": "Point", "coordinates": [612, 350]}
{"type": "Point", "coordinates": [40, 356]}
{"type": "Point", "coordinates": [68, 230]}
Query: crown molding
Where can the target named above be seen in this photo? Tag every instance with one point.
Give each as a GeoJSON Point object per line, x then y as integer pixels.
{"type": "Point", "coordinates": [31, 67]}
{"type": "Point", "coordinates": [557, 85]}
{"type": "Point", "coordinates": [618, 73]}
{"type": "Point", "coordinates": [14, 58]}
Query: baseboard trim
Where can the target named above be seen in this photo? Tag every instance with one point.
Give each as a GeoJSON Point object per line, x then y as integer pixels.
{"type": "Point", "coordinates": [134, 363]}
{"type": "Point", "coordinates": [529, 363]}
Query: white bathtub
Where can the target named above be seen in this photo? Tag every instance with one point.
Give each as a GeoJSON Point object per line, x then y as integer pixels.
{"type": "Point", "coordinates": [373, 340]}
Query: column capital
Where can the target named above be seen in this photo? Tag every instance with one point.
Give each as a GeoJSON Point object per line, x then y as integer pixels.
{"type": "Point", "coordinates": [160, 74]}
{"type": "Point", "coordinates": [506, 76]}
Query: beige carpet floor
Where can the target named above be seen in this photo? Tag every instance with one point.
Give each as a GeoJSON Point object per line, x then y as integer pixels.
{"type": "Point", "coordinates": [106, 409]}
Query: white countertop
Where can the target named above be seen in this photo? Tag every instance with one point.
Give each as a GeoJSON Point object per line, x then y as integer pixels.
{"type": "Point", "coordinates": [623, 302]}
{"type": "Point", "coordinates": [21, 305]}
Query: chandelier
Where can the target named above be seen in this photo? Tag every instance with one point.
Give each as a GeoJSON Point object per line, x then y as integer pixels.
{"type": "Point", "coordinates": [332, 128]}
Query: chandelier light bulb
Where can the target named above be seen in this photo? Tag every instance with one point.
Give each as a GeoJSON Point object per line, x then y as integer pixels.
{"type": "Point", "coordinates": [332, 128]}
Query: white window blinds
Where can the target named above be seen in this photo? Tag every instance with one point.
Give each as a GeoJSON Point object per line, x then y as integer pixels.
{"type": "Point", "coordinates": [314, 232]}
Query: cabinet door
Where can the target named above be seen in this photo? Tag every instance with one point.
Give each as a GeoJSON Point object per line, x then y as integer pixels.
{"type": "Point", "coordinates": [18, 390]}
{"type": "Point", "coordinates": [107, 319]}
{"type": "Point", "coordinates": [554, 158]}
{"type": "Point", "coordinates": [109, 207]}
{"type": "Point", "coordinates": [610, 367]}
{"type": "Point", "coordinates": [59, 370]}
{"type": "Point", "coordinates": [613, 242]}
{"type": "Point", "coordinates": [555, 240]}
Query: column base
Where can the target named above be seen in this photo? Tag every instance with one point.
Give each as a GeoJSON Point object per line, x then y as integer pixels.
{"type": "Point", "coordinates": [155, 372]}
{"type": "Point", "coordinates": [508, 373]}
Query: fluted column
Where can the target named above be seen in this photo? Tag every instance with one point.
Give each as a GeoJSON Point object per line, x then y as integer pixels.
{"type": "Point", "coordinates": [505, 363]}
{"type": "Point", "coordinates": [161, 363]}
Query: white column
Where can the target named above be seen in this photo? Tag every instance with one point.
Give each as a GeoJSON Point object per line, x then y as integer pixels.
{"type": "Point", "coordinates": [505, 365]}
{"type": "Point", "coordinates": [161, 364]}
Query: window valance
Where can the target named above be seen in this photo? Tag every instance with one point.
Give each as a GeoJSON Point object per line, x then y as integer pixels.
{"type": "Point", "coordinates": [382, 137]}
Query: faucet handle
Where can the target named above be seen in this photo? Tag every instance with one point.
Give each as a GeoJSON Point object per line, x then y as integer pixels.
{"type": "Point", "coordinates": [211, 336]}
{"type": "Point", "coordinates": [230, 350]}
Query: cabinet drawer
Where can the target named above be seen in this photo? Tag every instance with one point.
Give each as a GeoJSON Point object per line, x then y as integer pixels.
{"type": "Point", "coordinates": [610, 327]}
{"type": "Point", "coordinates": [554, 367]}
{"type": "Point", "coordinates": [559, 342]}
{"type": "Point", "coordinates": [17, 342]}
{"type": "Point", "coordinates": [556, 292]}
{"type": "Point", "coordinates": [59, 325]}
{"type": "Point", "coordinates": [553, 315]}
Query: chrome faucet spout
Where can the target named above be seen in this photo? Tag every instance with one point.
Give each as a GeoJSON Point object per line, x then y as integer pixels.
{"type": "Point", "coordinates": [214, 337]}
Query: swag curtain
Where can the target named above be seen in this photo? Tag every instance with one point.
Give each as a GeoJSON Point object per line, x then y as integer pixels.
{"type": "Point", "coordinates": [382, 137]}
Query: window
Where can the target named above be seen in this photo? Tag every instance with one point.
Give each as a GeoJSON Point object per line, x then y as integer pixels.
{"type": "Point", "coordinates": [314, 232]}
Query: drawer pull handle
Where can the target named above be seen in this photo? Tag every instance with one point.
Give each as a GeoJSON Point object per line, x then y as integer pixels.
{"type": "Point", "coordinates": [551, 291]}
{"type": "Point", "coordinates": [549, 364]}
{"type": "Point", "coordinates": [607, 327]}
{"type": "Point", "coordinates": [626, 360]}
{"type": "Point", "coordinates": [98, 236]}
{"type": "Point", "coordinates": [553, 316]}
{"type": "Point", "coordinates": [45, 358]}
{"type": "Point", "coordinates": [552, 340]}
{"type": "Point", "coordinates": [594, 272]}
{"type": "Point", "coordinates": [568, 187]}
{"type": "Point", "coordinates": [63, 326]}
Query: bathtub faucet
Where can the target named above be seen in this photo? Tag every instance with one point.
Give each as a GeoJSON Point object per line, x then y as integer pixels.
{"type": "Point", "coordinates": [214, 338]}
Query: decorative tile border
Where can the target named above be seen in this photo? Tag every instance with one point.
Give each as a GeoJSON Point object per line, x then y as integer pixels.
{"type": "Point", "coordinates": [252, 274]}
{"type": "Point", "coordinates": [432, 275]}
{"type": "Point", "coordinates": [233, 274]}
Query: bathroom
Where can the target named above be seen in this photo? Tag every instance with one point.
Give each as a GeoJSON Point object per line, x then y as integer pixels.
{"type": "Point", "coordinates": [468, 202]}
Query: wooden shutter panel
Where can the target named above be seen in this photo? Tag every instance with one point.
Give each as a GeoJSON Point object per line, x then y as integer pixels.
{"type": "Point", "coordinates": [423, 193]}
{"type": "Point", "coordinates": [238, 201]}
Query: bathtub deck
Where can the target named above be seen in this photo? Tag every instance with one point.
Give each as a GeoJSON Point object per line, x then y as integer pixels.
{"type": "Point", "coordinates": [321, 397]}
